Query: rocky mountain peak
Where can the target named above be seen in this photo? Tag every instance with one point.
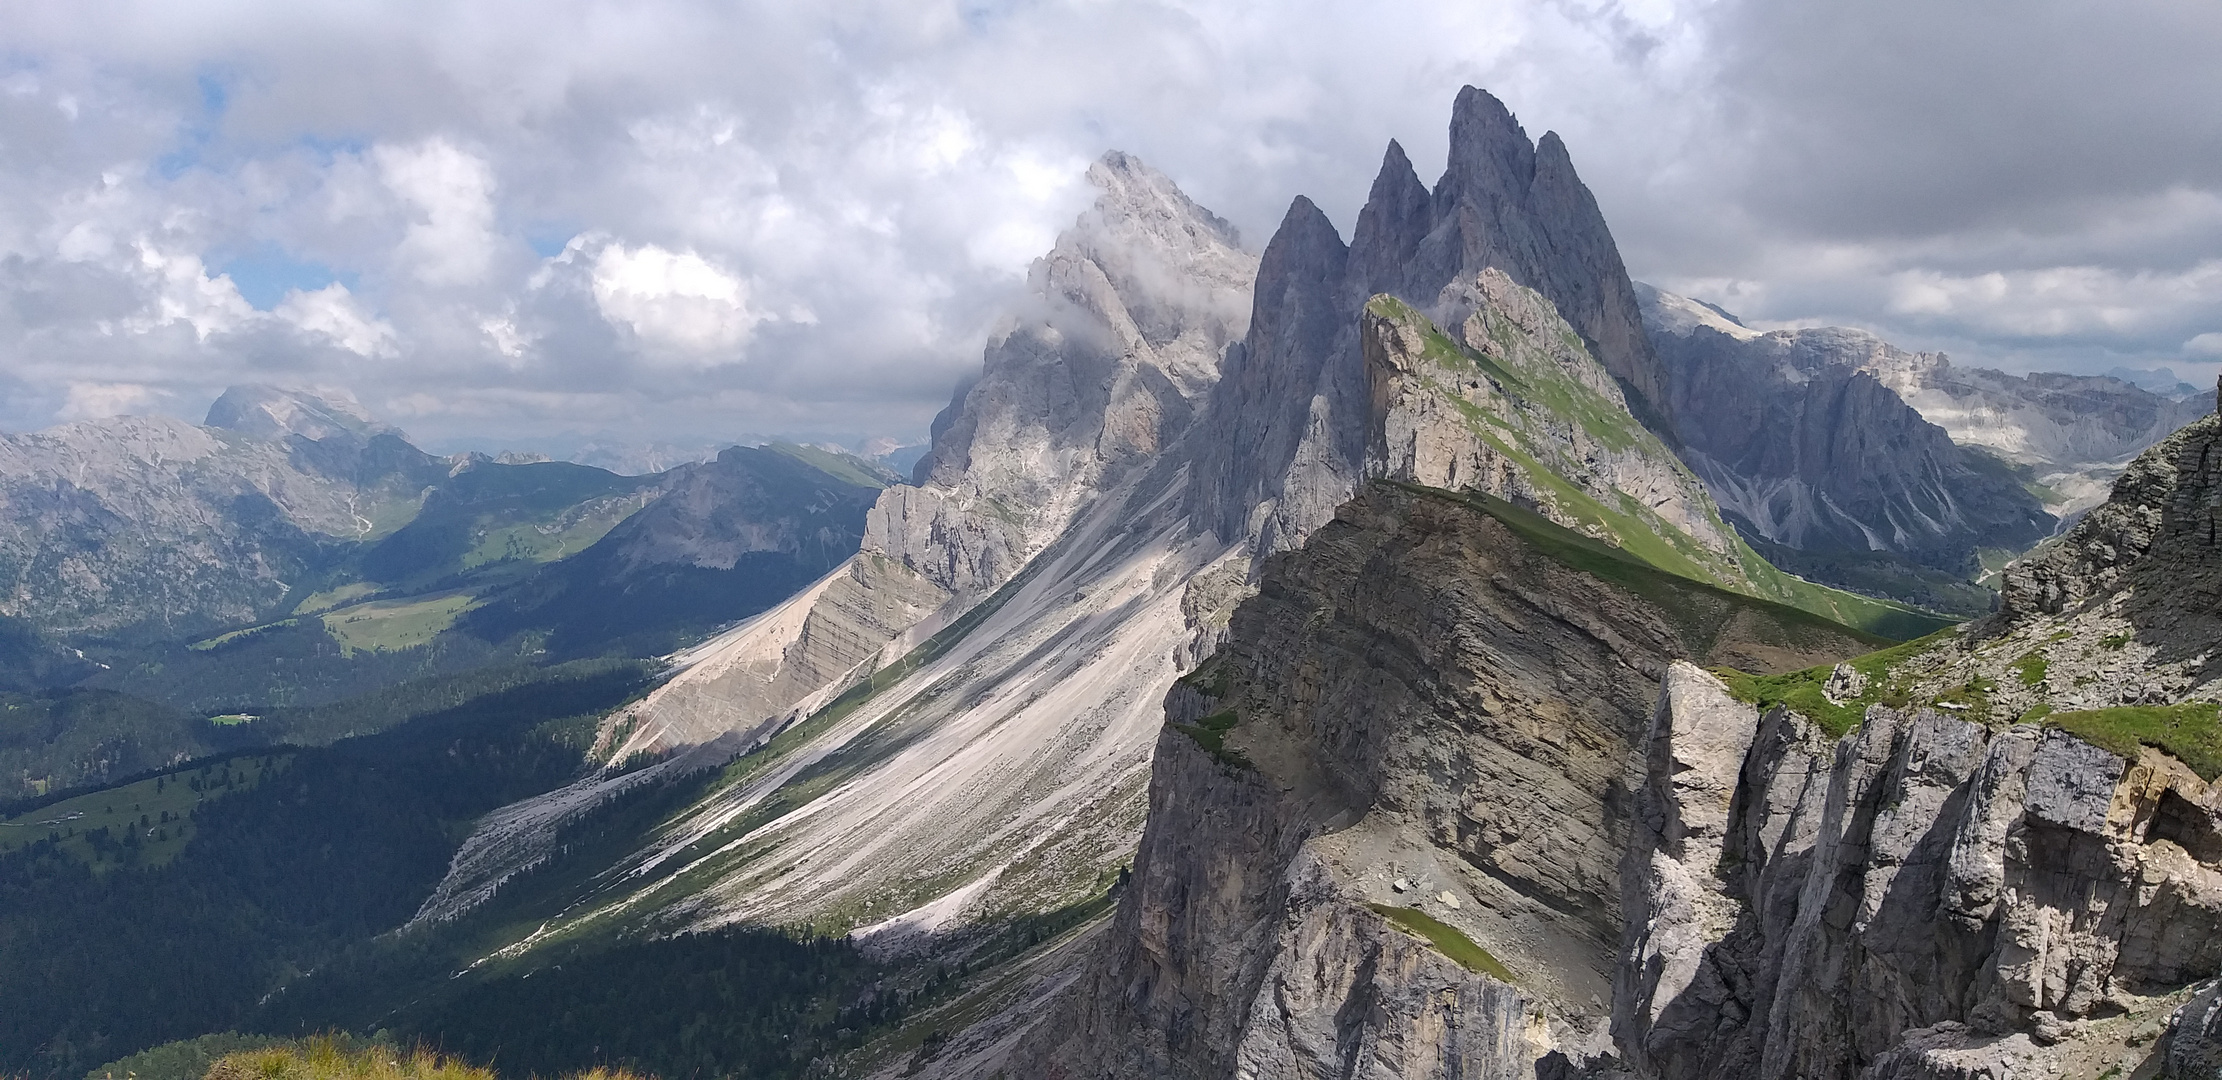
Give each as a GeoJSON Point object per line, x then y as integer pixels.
{"type": "Point", "coordinates": [1490, 153]}
{"type": "Point", "coordinates": [1287, 436]}
{"type": "Point", "coordinates": [1398, 214]}
{"type": "Point", "coordinates": [1522, 208]}
{"type": "Point", "coordinates": [1130, 314]}
{"type": "Point", "coordinates": [272, 412]}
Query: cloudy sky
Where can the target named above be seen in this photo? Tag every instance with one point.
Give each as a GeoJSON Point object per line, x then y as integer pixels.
{"type": "Point", "coordinates": [504, 220]}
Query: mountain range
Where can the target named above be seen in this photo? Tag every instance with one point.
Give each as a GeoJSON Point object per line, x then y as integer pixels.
{"type": "Point", "coordinates": [1363, 658]}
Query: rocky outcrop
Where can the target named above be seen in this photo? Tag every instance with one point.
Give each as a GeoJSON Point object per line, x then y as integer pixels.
{"type": "Point", "coordinates": [1430, 716]}
{"type": "Point", "coordinates": [1439, 727]}
{"type": "Point", "coordinates": [1496, 394]}
{"type": "Point", "coordinates": [760, 677]}
{"type": "Point", "coordinates": [1509, 402]}
{"type": "Point", "coordinates": [1804, 907]}
{"type": "Point", "coordinates": [1804, 445]}
{"type": "Point", "coordinates": [1285, 440]}
{"type": "Point", "coordinates": [2155, 536]}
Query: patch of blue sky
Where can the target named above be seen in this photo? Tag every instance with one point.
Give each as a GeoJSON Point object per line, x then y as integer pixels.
{"type": "Point", "coordinates": [198, 132]}
{"type": "Point", "coordinates": [266, 274]}
{"type": "Point", "coordinates": [548, 241]}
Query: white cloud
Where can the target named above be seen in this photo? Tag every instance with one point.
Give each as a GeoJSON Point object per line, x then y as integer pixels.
{"type": "Point", "coordinates": [93, 400]}
{"type": "Point", "coordinates": [675, 299]}
{"type": "Point", "coordinates": [2058, 301]}
{"type": "Point", "coordinates": [848, 194]}
{"type": "Point", "coordinates": [183, 292]}
{"type": "Point", "coordinates": [506, 338]}
{"type": "Point", "coordinates": [332, 313]}
{"type": "Point", "coordinates": [2207, 344]}
{"type": "Point", "coordinates": [451, 240]}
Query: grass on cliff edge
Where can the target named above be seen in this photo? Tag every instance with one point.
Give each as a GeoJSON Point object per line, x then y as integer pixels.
{"type": "Point", "coordinates": [1447, 940]}
{"type": "Point", "coordinates": [1801, 690]}
{"type": "Point", "coordinates": [2190, 732]}
{"type": "Point", "coordinates": [1631, 570]}
{"type": "Point", "coordinates": [327, 1057]}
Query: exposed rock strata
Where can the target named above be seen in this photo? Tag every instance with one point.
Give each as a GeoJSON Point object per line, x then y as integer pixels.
{"type": "Point", "coordinates": [1136, 303]}
{"type": "Point", "coordinates": [1831, 438]}
{"type": "Point", "coordinates": [1509, 402]}
{"type": "Point", "coordinates": [1427, 700]}
{"type": "Point", "coordinates": [1017, 612]}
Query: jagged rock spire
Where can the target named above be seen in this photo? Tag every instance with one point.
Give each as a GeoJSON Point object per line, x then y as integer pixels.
{"type": "Point", "coordinates": [1285, 440]}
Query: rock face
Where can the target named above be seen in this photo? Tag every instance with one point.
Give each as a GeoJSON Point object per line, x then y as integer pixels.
{"type": "Point", "coordinates": [1509, 402]}
{"type": "Point", "coordinates": [1425, 712]}
{"type": "Point", "coordinates": [1796, 906]}
{"type": "Point", "coordinates": [1287, 428]}
{"type": "Point", "coordinates": [1804, 444]}
{"type": "Point", "coordinates": [1426, 704]}
{"type": "Point", "coordinates": [2155, 536]}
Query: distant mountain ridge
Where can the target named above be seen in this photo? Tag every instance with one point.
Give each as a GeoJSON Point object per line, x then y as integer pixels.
{"type": "Point", "coordinates": [2073, 432]}
{"type": "Point", "coordinates": [295, 552]}
{"type": "Point", "coordinates": [1805, 446]}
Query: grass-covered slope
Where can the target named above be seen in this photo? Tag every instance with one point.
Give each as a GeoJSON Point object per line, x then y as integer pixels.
{"type": "Point", "coordinates": [2106, 633]}
{"type": "Point", "coordinates": [1540, 423]}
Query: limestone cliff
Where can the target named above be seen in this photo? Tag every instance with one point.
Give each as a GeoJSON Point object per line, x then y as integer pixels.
{"type": "Point", "coordinates": [1509, 402]}
{"type": "Point", "coordinates": [2008, 866]}
{"type": "Point", "coordinates": [1456, 798]}
{"type": "Point", "coordinates": [1505, 399]}
{"type": "Point", "coordinates": [1135, 305]}
{"type": "Point", "coordinates": [1804, 446]}
{"type": "Point", "coordinates": [1923, 895]}
{"type": "Point", "coordinates": [1831, 438]}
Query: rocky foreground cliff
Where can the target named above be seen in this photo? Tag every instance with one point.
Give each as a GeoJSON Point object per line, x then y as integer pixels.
{"type": "Point", "coordinates": [1462, 796]}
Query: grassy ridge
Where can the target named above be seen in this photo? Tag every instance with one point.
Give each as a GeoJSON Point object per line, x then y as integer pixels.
{"type": "Point", "coordinates": [1632, 571]}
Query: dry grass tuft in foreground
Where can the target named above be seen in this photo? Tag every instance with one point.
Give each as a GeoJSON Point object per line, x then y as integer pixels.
{"type": "Point", "coordinates": [326, 1057]}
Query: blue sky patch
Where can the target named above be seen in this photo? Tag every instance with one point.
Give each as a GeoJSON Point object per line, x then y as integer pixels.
{"type": "Point", "coordinates": [548, 241]}
{"type": "Point", "coordinates": [264, 276]}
